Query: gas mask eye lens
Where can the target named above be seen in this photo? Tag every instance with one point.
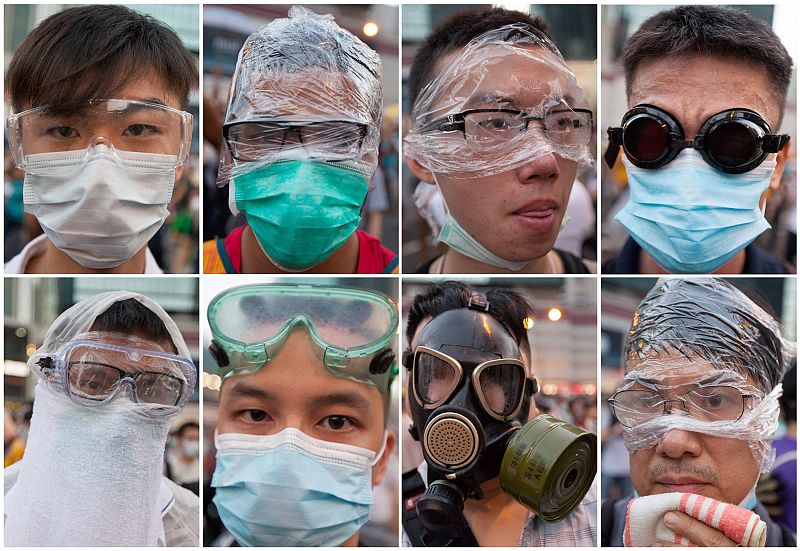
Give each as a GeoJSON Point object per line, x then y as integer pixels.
{"type": "Point", "coordinates": [434, 378]}
{"type": "Point", "coordinates": [501, 386]}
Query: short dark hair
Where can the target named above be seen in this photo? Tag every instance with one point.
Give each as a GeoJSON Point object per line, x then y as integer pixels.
{"type": "Point", "coordinates": [456, 32]}
{"type": "Point", "coordinates": [133, 318]}
{"type": "Point", "coordinates": [506, 306]}
{"type": "Point", "coordinates": [714, 31]}
{"type": "Point", "coordinates": [186, 426]}
{"type": "Point", "coordinates": [93, 52]}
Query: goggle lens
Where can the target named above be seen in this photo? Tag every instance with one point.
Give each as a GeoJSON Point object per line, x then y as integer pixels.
{"type": "Point", "coordinates": [646, 139]}
{"type": "Point", "coordinates": [434, 378]}
{"type": "Point", "coordinates": [732, 144]}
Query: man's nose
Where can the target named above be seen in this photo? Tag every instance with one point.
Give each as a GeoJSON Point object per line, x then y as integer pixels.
{"type": "Point", "coordinates": [542, 169]}
{"type": "Point", "coordinates": [677, 443]}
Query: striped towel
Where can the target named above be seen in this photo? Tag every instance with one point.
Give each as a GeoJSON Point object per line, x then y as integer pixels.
{"type": "Point", "coordinates": [644, 521]}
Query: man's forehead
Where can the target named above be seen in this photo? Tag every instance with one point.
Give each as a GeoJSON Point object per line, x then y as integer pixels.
{"type": "Point", "coordinates": [695, 87]}
{"type": "Point", "coordinates": [312, 92]}
{"type": "Point", "coordinates": [676, 370]}
{"type": "Point", "coordinates": [495, 72]}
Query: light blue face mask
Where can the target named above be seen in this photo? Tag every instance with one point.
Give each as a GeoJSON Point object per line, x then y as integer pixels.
{"type": "Point", "coordinates": [456, 237]}
{"type": "Point", "coordinates": [291, 490]}
{"type": "Point", "coordinates": [301, 211]}
{"type": "Point", "coordinates": [692, 218]}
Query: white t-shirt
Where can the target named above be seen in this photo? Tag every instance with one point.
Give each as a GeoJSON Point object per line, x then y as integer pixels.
{"type": "Point", "coordinates": [38, 246]}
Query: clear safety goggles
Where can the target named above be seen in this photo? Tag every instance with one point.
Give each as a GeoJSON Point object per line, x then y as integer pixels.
{"type": "Point", "coordinates": [129, 126]}
{"type": "Point", "coordinates": [499, 384]}
{"type": "Point", "coordinates": [93, 373]}
{"type": "Point", "coordinates": [263, 140]}
{"type": "Point", "coordinates": [353, 330]}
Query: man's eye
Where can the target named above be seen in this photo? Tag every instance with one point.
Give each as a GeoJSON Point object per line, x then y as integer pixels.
{"type": "Point", "coordinates": [254, 415]}
{"type": "Point", "coordinates": [337, 422]}
{"type": "Point", "coordinates": [63, 132]}
{"type": "Point", "coordinates": [141, 130]}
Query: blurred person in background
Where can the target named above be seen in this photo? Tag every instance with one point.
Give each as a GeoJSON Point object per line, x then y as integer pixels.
{"type": "Point", "coordinates": [98, 127]}
{"type": "Point", "coordinates": [499, 128]}
{"type": "Point", "coordinates": [113, 372]}
{"type": "Point", "coordinates": [699, 408]}
{"type": "Point", "coordinates": [777, 490]}
{"type": "Point", "coordinates": [706, 89]}
{"type": "Point", "coordinates": [182, 460]}
{"type": "Point", "coordinates": [300, 146]}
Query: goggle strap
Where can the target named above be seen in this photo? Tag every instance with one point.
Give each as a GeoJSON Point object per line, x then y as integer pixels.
{"type": "Point", "coordinates": [773, 143]}
{"type": "Point", "coordinates": [614, 143]}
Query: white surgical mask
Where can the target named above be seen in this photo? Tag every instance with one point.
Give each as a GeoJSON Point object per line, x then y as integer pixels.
{"type": "Point", "coordinates": [99, 206]}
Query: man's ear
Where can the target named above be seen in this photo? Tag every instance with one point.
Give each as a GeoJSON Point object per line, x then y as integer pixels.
{"type": "Point", "coordinates": [179, 173]}
{"type": "Point", "coordinates": [379, 470]}
{"type": "Point", "coordinates": [420, 171]}
{"type": "Point", "coordinates": [780, 160]}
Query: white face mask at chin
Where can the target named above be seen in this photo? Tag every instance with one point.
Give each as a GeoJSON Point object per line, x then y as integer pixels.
{"type": "Point", "coordinates": [99, 206]}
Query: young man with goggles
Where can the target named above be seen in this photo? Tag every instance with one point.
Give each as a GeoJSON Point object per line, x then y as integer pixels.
{"type": "Point", "coordinates": [470, 399]}
{"type": "Point", "coordinates": [499, 129]}
{"type": "Point", "coordinates": [302, 432]}
{"type": "Point", "coordinates": [300, 145]}
{"type": "Point", "coordinates": [706, 89]}
{"type": "Point", "coordinates": [114, 372]}
{"type": "Point", "coordinates": [698, 407]}
{"type": "Point", "coordinates": [99, 130]}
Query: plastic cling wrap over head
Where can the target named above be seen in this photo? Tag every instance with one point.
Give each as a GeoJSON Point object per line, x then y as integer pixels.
{"type": "Point", "coordinates": [702, 357]}
{"type": "Point", "coordinates": [303, 89]}
{"type": "Point", "coordinates": [503, 100]}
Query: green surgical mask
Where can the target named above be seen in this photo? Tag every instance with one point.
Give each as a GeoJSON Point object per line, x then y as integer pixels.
{"type": "Point", "coordinates": [301, 211]}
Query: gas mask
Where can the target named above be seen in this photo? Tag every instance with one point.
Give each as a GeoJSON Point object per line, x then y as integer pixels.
{"type": "Point", "coordinates": [470, 398]}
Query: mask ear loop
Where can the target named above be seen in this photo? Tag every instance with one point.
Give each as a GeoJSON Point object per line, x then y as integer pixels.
{"type": "Point", "coordinates": [381, 451]}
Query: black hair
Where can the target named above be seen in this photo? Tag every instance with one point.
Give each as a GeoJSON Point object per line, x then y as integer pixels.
{"type": "Point", "coordinates": [93, 52]}
{"type": "Point", "coordinates": [714, 31]}
{"type": "Point", "coordinates": [506, 306]}
{"type": "Point", "coordinates": [133, 318]}
{"type": "Point", "coordinates": [185, 426]}
{"type": "Point", "coordinates": [456, 32]}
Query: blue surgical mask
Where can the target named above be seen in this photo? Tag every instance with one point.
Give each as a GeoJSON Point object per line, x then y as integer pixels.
{"type": "Point", "coordinates": [289, 489]}
{"type": "Point", "coordinates": [692, 218]}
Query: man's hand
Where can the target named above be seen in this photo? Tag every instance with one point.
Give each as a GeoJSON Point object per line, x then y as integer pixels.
{"type": "Point", "coordinates": [695, 531]}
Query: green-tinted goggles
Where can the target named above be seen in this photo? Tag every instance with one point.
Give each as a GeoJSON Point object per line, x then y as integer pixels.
{"type": "Point", "coordinates": [353, 330]}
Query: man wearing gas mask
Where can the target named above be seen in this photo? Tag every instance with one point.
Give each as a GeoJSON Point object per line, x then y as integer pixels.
{"type": "Point", "coordinates": [98, 96]}
{"type": "Point", "coordinates": [300, 145]}
{"type": "Point", "coordinates": [699, 407]}
{"type": "Point", "coordinates": [706, 90]}
{"type": "Point", "coordinates": [496, 472]}
{"type": "Point", "coordinates": [499, 128]}
{"type": "Point", "coordinates": [302, 433]}
{"type": "Point", "coordinates": [114, 372]}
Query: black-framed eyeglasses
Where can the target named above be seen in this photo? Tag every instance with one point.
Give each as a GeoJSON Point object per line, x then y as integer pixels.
{"type": "Point", "coordinates": [733, 141]}
{"type": "Point", "coordinates": [706, 403]}
{"type": "Point", "coordinates": [485, 126]}
{"type": "Point", "coordinates": [255, 140]}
